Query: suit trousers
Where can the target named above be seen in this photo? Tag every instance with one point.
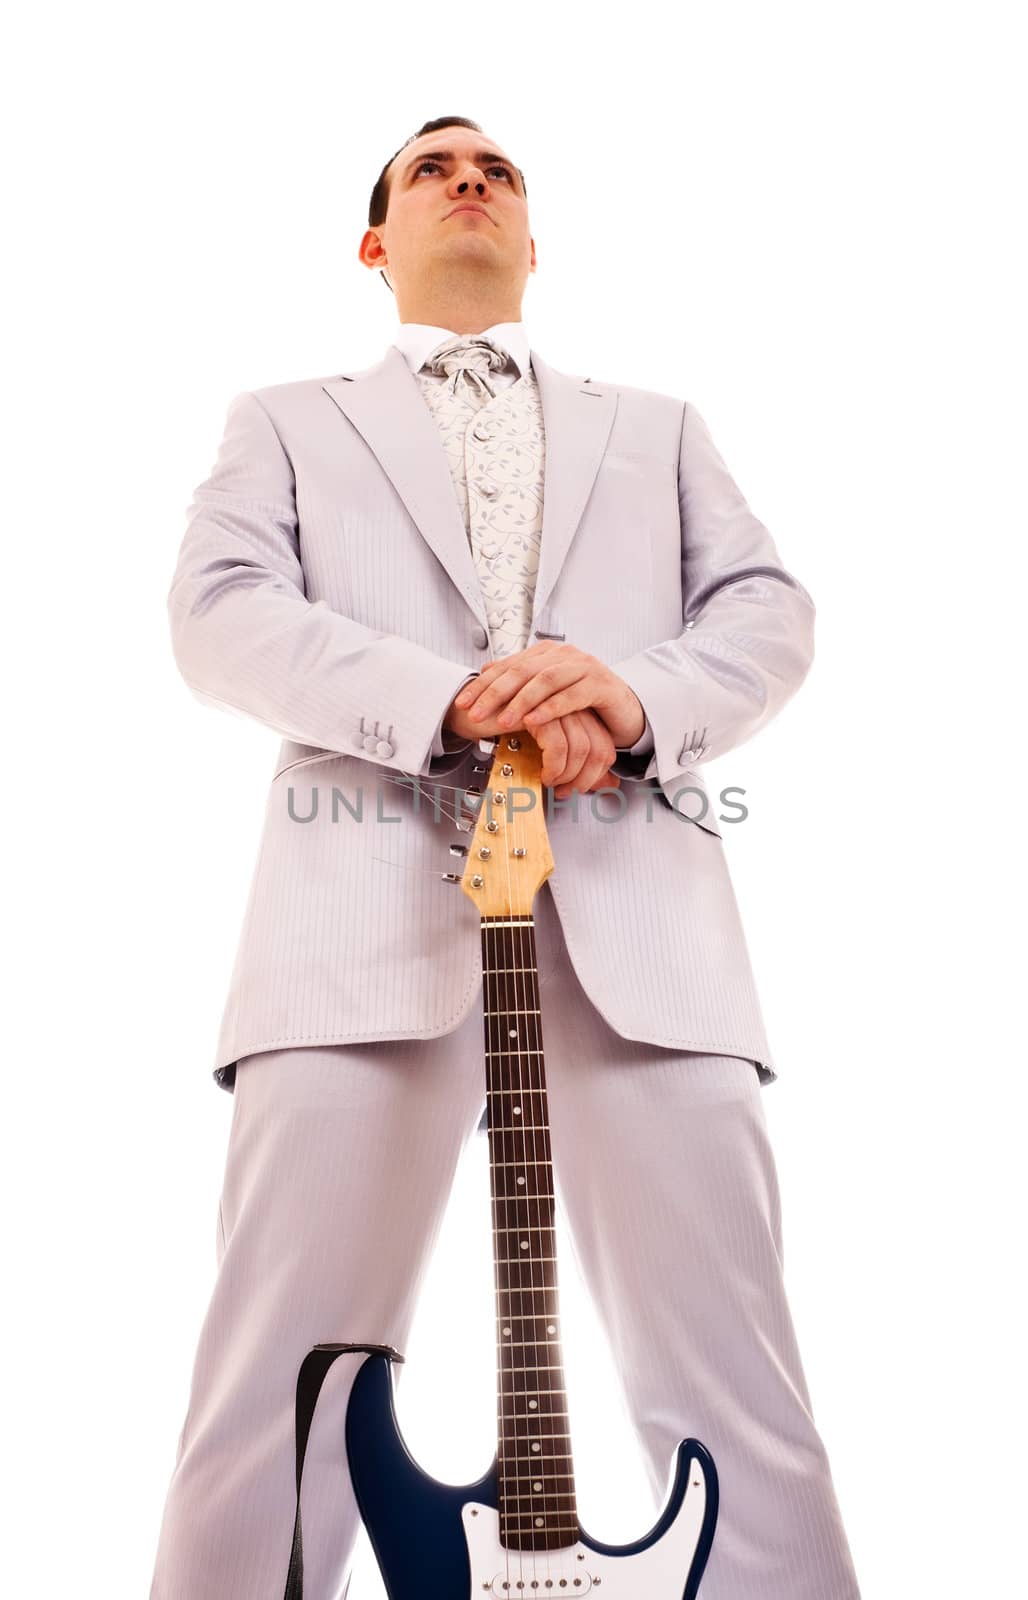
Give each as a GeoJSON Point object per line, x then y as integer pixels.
{"type": "Point", "coordinates": [339, 1167]}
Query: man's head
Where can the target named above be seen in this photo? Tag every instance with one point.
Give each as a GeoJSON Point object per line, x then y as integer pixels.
{"type": "Point", "coordinates": [446, 266]}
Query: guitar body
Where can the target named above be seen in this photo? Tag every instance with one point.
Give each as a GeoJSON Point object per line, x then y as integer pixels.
{"type": "Point", "coordinates": [441, 1540]}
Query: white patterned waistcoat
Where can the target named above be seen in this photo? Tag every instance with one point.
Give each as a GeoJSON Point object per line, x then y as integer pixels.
{"type": "Point", "coordinates": [495, 445]}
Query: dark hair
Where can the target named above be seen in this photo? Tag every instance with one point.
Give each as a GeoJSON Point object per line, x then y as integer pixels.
{"type": "Point", "coordinates": [379, 204]}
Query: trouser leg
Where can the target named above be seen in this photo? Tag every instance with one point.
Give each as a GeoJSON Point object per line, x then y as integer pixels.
{"type": "Point", "coordinates": [665, 1174]}
{"type": "Point", "coordinates": [339, 1166]}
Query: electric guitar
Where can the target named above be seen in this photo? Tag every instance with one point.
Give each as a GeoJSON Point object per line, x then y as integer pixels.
{"type": "Point", "coordinates": [516, 1531]}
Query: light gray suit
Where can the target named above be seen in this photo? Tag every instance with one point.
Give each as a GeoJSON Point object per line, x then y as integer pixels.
{"type": "Point", "coordinates": [325, 587]}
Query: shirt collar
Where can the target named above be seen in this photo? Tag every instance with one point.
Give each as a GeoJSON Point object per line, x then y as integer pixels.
{"type": "Point", "coordinates": [417, 340]}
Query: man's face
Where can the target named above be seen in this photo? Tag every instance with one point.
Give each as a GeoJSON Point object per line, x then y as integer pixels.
{"type": "Point", "coordinates": [426, 236]}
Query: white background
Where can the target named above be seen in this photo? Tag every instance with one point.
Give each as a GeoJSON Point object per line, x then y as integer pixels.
{"type": "Point", "coordinates": [806, 220]}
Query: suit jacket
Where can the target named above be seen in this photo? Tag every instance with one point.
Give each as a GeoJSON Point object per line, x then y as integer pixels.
{"type": "Point", "coordinates": [325, 586]}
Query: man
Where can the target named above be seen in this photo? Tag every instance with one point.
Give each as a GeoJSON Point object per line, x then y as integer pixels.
{"type": "Point", "coordinates": [374, 571]}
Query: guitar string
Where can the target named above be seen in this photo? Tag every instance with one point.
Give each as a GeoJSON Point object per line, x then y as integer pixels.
{"type": "Point", "coordinates": [527, 942]}
{"type": "Point", "coordinates": [540, 1154]}
{"type": "Point", "coordinates": [516, 945]}
{"type": "Point", "coordinates": [509, 988]}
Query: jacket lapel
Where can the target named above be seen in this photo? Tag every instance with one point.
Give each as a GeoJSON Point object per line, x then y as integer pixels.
{"type": "Point", "coordinates": [385, 405]}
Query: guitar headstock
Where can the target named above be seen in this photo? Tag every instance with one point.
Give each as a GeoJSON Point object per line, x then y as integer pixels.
{"type": "Point", "coordinates": [509, 855]}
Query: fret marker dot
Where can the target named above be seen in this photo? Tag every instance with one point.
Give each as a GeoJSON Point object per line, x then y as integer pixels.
{"type": "Point", "coordinates": [524, 1244]}
{"type": "Point", "coordinates": [538, 1522]}
{"type": "Point", "coordinates": [513, 1033]}
{"type": "Point", "coordinates": [533, 1405]}
{"type": "Point", "coordinates": [521, 1180]}
{"type": "Point", "coordinates": [535, 1447]}
{"type": "Point", "coordinates": [550, 1328]}
{"type": "Point", "coordinates": [506, 1332]}
{"type": "Point", "coordinates": [537, 1485]}
{"type": "Point", "coordinates": [517, 1111]}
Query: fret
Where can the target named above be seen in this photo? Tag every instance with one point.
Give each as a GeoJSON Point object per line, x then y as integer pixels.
{"type": "Point", "coordinates": [515, 1477]}
{"type": "Point", "coordinates": [566, 1532]}
{"type": "Point", "coordinates": [524, 1127]}
{"type": "Point", "coordinates": [519, 1416]}
{"type": "Point", "coordinates": [525, 1163]}
{"type": "Point", "coordinates": [529, 1316]}
{"type": "Point", "coordinates": [564, 1497]}
{"type": "Point", "coordinates": [526, 1477]}
{"type": "Point", "coordinates": [516, 1051]}
{"type": "Point", "coordinates": [531, 1366]}
{"type": "Point", "coordinates": [526, 1439]}
{"type": "Point", "coordinates": [515, 1088]}
{"type": "Point", "coordinates": [546, 1455]}
{"type": "Point", "coordinates": [515, 1011]}
{"type": "Point", "coordinates": [519, 1512]}
{"type": "Point", "coordinates": [533, 1261]}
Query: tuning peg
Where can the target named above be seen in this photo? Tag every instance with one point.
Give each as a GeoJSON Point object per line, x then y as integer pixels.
{"type": "Point", "coordinates": [487, 746]}
{"type": "Point", "coordinates": [451, 877]}
{"type": "Point", "coordinates": [458, 849]}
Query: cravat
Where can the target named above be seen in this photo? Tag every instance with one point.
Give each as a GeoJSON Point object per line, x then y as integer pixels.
{"type": "Point", "coordinates": [468, 361]}
{"type": "Point", "coordinates": [495, 449]}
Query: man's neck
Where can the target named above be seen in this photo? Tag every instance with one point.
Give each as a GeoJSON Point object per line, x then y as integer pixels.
{"type": "Point", "coordinates": [457, 314]}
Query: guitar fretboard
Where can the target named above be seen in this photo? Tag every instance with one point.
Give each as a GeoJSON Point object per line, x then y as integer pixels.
{"type": "Point", "coordinates": [536, 1489]}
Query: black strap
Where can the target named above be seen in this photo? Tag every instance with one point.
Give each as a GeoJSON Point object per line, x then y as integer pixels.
{"type": "Point", "coordinates": [312, 1374]}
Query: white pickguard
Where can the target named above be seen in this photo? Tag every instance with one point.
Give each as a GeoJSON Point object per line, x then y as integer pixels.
{"type": "Point", "coordinates": [660, 1571]}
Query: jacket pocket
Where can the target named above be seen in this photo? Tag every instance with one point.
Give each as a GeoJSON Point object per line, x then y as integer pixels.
{"type": "Point", "coordinates": [288, 764]}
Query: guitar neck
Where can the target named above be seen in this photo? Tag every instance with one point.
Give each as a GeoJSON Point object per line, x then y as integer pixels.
{"type": "Point", "coordinates": [536, 1485]}
{"type": "Point", "coordinates": [535, 1476]}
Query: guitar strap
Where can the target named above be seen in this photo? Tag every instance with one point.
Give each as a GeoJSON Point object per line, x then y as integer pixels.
{"type": "Point", "coordinates": [312, 1374]}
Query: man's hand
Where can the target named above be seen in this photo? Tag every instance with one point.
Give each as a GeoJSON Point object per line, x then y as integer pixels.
{"type": "Point", "coordinates": [548, 680]}
{"type": "Point", "coordinates": [577, 748]}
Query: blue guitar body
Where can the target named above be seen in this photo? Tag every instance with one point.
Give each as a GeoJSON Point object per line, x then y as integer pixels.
{"type": "Point", "coordinates": [436, 1541]}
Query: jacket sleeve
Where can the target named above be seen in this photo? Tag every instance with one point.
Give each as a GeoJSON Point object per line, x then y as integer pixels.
{"type": "Point", "coordinates": [747, 639]}
{"type": "Point", "coordinates": [247, 640]}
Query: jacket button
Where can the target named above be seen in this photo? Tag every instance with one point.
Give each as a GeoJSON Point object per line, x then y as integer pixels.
{"type": "Point", "coordinates": [370, 742]}
{"type": "Point", "coordinates": [384, 748]}
{"type": "Point", "coordinates": [480, 638]}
